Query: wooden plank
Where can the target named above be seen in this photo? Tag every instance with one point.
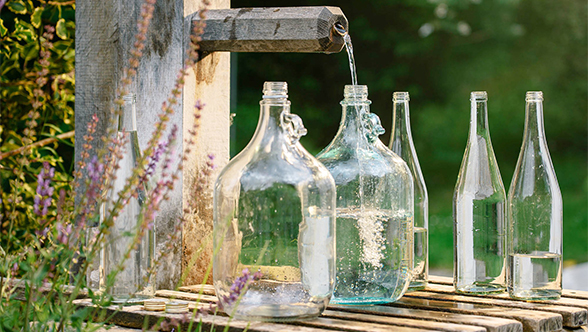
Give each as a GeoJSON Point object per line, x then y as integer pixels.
{"type": "Point", "coordinates": [572, 316]}
{"type": "Point", "coordinates": [491, 324]}
{"type": "Point", "coordinates": [136, 317]}
{"type": "Point", "coordinates": [531, 320]}
{"type": "Point", "coordinates": [348, 325]}
{"type": "Point", "coordinates": [576, 294]}
{"type": "Point", "coordinates": [569, 297]}
{"type": "Point", "coordinates": [186, 296]}
{"type": "Point", "coordinates": [205, 289]}
{"type": "Point", "coordinates": [439, 326]}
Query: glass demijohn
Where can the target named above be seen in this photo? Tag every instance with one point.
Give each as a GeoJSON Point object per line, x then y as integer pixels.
{"type": "Point", "coordinates": [274, 215]}
{"type": "Point", "coordinates": [535, 215]}
{"type": "Point", "coordinates": [401, 143]}
{"type": "Point", "coordinates": [374, 207]}
{"type": "Point", "coordinates": [134, 282]}
{"type": "Point", "coordinates": [478, 211]}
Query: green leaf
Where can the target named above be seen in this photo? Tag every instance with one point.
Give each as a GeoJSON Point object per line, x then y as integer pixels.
{"type": "Point", "coordinates": [61, 29]}
{"type": "Point", "coordinates": [3, 29]}
{"type": "Point", "coordinates": [36, 17]}
{"type": "Point", "coordinates": [17, 6]}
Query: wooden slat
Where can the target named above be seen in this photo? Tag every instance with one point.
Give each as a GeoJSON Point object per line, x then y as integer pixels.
{"type": "Point", "coordinates": [136, 317]}
{"type": "Point", "coordinates": [185, 296]}
{"type": "Point", "coordinates": [531, 320]}
{"type": "Point", "coordinates": [572, 316]}
{"type": "Point", "coordinates": [348, 325]}
{"type": "Point", "coordinates": [402, 321]}
{"type": "Point", "coordinates": [576, 298]}
{"type": "Point", "coordinates": [205, 289]}
{"type": "Point", "coordinates": [491, 324]}
{"type": "Point", "coordinates": [575, 294]}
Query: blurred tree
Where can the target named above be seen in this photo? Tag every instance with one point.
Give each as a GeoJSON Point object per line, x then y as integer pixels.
{"type": "Point", "coordinates": [439, 51]}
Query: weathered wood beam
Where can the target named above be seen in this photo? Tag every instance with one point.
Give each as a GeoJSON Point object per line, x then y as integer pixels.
{"type": "Point", "coordinates": [285, 29]}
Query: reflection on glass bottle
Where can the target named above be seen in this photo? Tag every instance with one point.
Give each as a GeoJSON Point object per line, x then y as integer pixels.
{"type": "Point", "coordinates": [478, 211]}
{"type": "Point", "coordinates": [535, 215]}
{"type": "Point", "coordinates": [401, 143]}
{"type": "Point", "coordinates": [134, 283]}
{"type": "Point", "coordinates": [274, 213]}
{"type": "Point", "coordinates": [374, 207]}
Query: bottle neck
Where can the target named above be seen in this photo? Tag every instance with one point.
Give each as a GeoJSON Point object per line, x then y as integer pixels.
{"type": "Point", "coordinates": [479, 119]}
{"type": "Point", "coordinates": [401, 126]}
{"type": "Point", "coordinates": [270, 127]}
{"type": "Point", "coordinates": [534, 129]}
{"type": "Point", "coordinates": [127, 120]}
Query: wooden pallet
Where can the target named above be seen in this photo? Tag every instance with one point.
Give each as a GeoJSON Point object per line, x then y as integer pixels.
{"type": "Point", "coordinates": [437, 308]}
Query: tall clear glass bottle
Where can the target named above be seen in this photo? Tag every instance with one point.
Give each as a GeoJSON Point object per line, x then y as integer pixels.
{"type": "Point", "coordinates": [274, 214]}
{"type": "Point", "coordinates": [374, 207]}
{"type": "Point", "coordinates": [134, 283]}
{"type": "Point", "coordinates": [535, 215]}
{"type": "Point", "coordinates": [401, 143]}
{"type": "Point", "coordinates": [478, 211]}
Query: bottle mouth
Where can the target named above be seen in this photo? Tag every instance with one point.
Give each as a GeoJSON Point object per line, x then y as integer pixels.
{"type": "Point", "coordinates": [355, 91]}
{"type": "Point", "coordinates": [273, 90]}
{"type": "Point", "coordinates": [400, 96]}
{"type": "Point", "coordinates": [534, 96]}
{"type": "Point", "coordinates": [479, 95]}
{"type": "Point", "coordinates": [129, 98]}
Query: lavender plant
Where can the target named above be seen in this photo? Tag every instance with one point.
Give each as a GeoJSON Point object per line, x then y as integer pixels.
{"type": "Point", "coordinates": [38, 287]}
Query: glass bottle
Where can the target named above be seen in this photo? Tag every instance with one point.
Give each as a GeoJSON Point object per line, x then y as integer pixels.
{"type": "Point", "coordinates": [535, 215]}
{"type": "Point", "coordinates": [134, 282]}
{"type": "Point", "coordinates": [478, 211]}
{"type": "Point", "coordinates": [274, 217]}
{"type": "Point", "coordinates": [374, 207]}
{"type": "Point", "coordinates": [401, 143]}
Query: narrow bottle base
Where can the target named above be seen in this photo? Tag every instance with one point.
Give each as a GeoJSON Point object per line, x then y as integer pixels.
{"type": "Point", "coordinates": [535, 294]}
{"type": "Point", "coordinates": [417, 285]}
{"type": "Point", "coordinates": [480, 288]}
{"type": "Point", "coordinates": [277, 312]}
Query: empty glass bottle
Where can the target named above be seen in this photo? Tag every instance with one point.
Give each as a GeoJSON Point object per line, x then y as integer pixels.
{"type": "Point", "coordinates": [274, 214]}
{"type": "Point", "coordinates": [478, 211]}
{"type": "Point", "coordinates": [374, 207]}
{"type": "Point", "coordinates": [134, 283]}
{"type": "Point", "coordinates": [535, 216]}
{"type": "Point", "coordinates": [401, 143]}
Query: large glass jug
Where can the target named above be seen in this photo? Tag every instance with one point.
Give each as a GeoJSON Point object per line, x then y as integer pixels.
{"type": "Point", "coordinates": [274, 222]}
{"type": "Point", "coordinates": [374, 207]}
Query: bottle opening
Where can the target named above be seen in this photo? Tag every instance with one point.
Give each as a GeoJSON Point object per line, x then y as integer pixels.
{"type": "Point", "coordinates": [355, 91]}
{"type": "Point", "coordinates": [479, 95]}
{"type": "Point", "coordinates": [534, 96]}
{"type": "Point", "coordinates": [400, 96]}
{"type": "Point", "coordinates": [340, 29]}
{"type": "Point", "coordinates": [275, 90]}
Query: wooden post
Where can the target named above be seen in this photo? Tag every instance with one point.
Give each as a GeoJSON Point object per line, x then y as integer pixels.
{"type": "Point", "coordinates": [104, 36]}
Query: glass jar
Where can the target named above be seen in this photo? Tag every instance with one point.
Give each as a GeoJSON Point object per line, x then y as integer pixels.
{"type": "Point", "coordinates": [134, 282]}
{"type": "Point", "coordinates": [535, 215]}
{"type": "Point", "coordinates": [274, 222]}
{"type": "Point", "coordinates": [374, 207]}
{"type": "Point", "coordinates": [401, 143]}
{"type": "Point", "coordinates": [478, 210]}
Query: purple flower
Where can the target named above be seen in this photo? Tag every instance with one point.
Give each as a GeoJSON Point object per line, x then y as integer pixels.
{"type": "Point", "coordinates": [2, 2]}
{"type": "Point", "coordinates": [95, 170]}
{"type": "Point", "coordinates": [43, 199]}
{"type": "Point", "coordinates": [239, 286]}
{"type": "Point", "coordinates": [63, 232]}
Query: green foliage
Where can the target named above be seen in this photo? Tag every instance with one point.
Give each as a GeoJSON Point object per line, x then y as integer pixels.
{"type": "Point", "coordinates": [37, 54]}
{"type": "Point", "coordinates": [440, 51]}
